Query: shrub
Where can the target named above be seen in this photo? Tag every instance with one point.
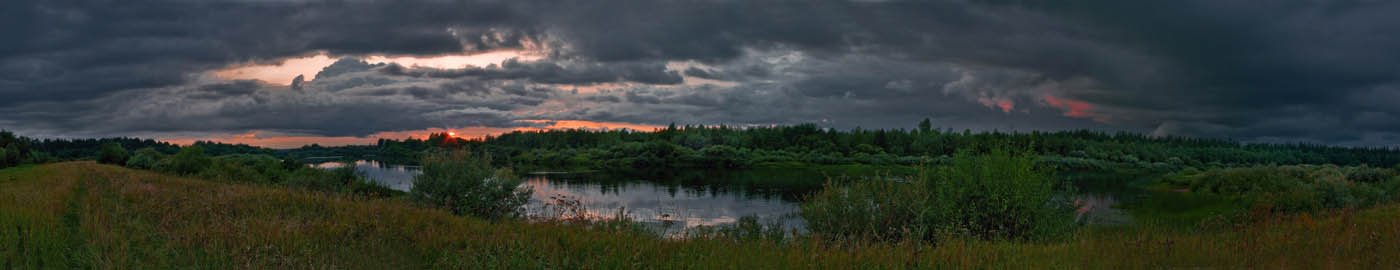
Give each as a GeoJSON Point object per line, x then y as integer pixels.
{"type": "Point", "coordinates": [1367, 174]}
{"type": "Point", "coordinates": [112, 153]}
{"type": "Point", "coordinates": [145, 159]}
{"type": "Point", "coordinates": [723, 156]}
{"type": "Point", "coordinates": [990, 196]}
{"type": "Point", "coordinates": [246, 168]}
{"type": "Point", "coordinates": [1295, 188]}
{"type": "Point", "coordinates": [13, 154]}
{"type": "Point", "coordinates": [292, 164]}
{"type": "Point", "coordinates": [190, 160]}
{"type": "Point", "coordinates": [467, 185]}
{"type": "Point", "coordinates": [333, 180]}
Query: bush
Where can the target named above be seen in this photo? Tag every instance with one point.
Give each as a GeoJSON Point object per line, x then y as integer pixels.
{"type": "Point", "coordinates": [13, 155]}
{"type": "Point", "coordinates": [292, 164]}
{"type": "Point", "coordinates": [190, 160]}
{"type": "Point", "coordinates": [1367, 174]}
{"type": "Point", "coordinates": [333, 180]}
{"type": "Point", "coordinates": [112, 153]}
{"type": "Point", "coordinates": [991, 196]}
{"type": "Point", "coordinates": [1295, 188]}
{"type": "Point", "coordinates": [245, 168]}
{"type": "Point", "coordinates": [145, 159]}
{"type": "Point", "coordinates": [467, 185]}
{"type": "Point", "coordinates": [723, 156]}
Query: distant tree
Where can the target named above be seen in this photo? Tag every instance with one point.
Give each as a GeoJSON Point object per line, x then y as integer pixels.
{"type": "Point", "coordinates": [4, 162]}
{"type": "Point", "coordinates": [925, 126]}
{"type": "Point", "coordinates": [112, 153]}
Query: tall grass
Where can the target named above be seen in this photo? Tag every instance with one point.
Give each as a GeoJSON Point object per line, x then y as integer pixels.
{"type": "Point", "coordinates": [84, 215]}
{"type": "Point", "coordinates": [997, 196]}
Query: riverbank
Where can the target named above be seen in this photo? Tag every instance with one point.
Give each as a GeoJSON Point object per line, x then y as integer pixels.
{"type": "Point", "coordinates": [80, 214]}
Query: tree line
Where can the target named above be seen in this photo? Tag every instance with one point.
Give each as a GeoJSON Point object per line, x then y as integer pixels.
{"type": "Point", "coordinates": [725, 146]}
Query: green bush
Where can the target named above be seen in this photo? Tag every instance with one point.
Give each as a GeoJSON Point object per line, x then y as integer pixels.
{"type": "Point", "coordinates": [723, 156]}
{"type": "Point", "coordinates": [245, 168]}
{"type": "Point", "coordinates": [145, 159]}
{"type": "Point", "coordinates": [292, 164]}
{"type": "Point", "coordinates": [989, 196]}
{"type": "Point", "coordinates": [112, 153]}
{"type": "Point", "coordinates": [13, 155]}
{"type": "Point", "coordinates": [333, 180]}
{"type": "Point", "coordinates": [189, 161]}
{"type": "Point", "coordinates": [467, 185]}
{"type": "Point", "coordinates": [1367, 174]}
{"type": "Point", "coordinates": [1296, 188]}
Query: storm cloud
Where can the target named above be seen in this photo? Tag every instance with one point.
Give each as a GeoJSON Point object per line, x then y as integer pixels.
{"type": "Point", "coordinates": [1281, 71]}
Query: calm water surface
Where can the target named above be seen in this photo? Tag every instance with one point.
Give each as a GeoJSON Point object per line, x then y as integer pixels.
{"type": "Point", "coordinates": [670, 202]}
{"type": "Point", "coordinates": [674, 201]}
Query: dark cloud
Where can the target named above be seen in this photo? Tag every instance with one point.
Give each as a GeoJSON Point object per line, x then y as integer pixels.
{"type": "Point", "coordinates": [553, 73]}
{"type": "Point", "coordinates": [1278, 71]}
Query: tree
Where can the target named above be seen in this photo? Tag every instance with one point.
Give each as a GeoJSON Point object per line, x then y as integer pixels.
{"type": "Point", "coordinates": [112, 153]}
{"type": "Point", "coordinates": [925, 126]}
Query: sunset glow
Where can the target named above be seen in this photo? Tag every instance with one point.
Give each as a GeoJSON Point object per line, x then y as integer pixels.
{"type": "Point", "coordinates": [285, 142]}
{"type": "Point", "coordinates": [282, 73]}
{"type": "Point", "coordinates": [1078, 109]}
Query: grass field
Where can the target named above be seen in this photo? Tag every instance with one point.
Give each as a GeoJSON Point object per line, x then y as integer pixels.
{"type": "Point", "coordinates": [85, 215]}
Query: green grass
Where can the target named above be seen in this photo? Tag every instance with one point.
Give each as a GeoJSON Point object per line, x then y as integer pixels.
{"type": "Point", "coordinates": [85, 215]}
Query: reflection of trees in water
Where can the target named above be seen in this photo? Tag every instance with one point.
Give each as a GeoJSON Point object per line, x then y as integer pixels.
{"type": "Point", "coordinates": [670, 206]}
{"type": "Point", "coordinates": [764, 184]}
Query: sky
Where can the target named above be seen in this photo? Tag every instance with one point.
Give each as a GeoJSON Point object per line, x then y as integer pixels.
{"type": "Point", "coordinates": [287, 73]}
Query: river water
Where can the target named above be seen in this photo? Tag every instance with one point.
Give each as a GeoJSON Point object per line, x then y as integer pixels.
{"type": "Point", "coordinates": [669, 202]}
{"type": "Point", "coordinates": [674, 201]}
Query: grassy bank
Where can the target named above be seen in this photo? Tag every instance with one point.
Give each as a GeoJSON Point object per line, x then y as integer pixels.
{"type": "Point", "coordinates": [85, 215]}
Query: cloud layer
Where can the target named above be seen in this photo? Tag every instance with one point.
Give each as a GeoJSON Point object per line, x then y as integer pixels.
{"type": "Point", "coordinates": [1312, 71]}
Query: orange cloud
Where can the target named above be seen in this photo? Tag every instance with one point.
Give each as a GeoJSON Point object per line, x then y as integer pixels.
{"type": "Point", "coordinates": [1005, 105]}
{"type": "Point", "coordinates": [1072, 108]}
{"type": "Point", "coordinates": [283, 72]}
{"type": "Point", "coordinates": [285, 142]}
{"type": "Point", "coordinates": [581, 124]}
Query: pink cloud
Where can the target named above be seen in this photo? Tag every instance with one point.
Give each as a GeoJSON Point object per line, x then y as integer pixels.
{"type": "Point", "coordinates": [1005, 105]}
{"type": "Point", "coordinates": [1073, 108]}
{"type": "Point", "coordinates": [283, 142]}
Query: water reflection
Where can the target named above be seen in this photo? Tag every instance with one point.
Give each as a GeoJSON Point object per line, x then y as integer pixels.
{"type": "Point", "coordinates": [398, 177]}
{"type": "Point", "coordinates": [670, 209]}
{"type": "Point", "coordinates": [669, 202]}
{"type": "Point", "coordinates": [673, 201]}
